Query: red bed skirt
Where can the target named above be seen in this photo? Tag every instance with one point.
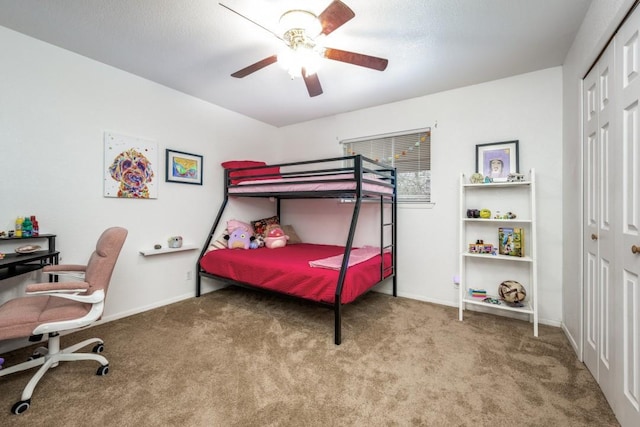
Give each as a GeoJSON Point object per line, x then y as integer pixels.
{"type": "Point", "coordinates": [286, 270]}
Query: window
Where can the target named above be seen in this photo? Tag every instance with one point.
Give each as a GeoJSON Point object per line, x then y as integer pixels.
{"type": "Point", "coordinates": [409, 152]}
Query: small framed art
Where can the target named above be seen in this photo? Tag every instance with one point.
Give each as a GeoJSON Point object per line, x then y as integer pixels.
{"type": "Point", "coordinates": [497, 160]}
{"type": "Point", "coordinates": [184, 168]}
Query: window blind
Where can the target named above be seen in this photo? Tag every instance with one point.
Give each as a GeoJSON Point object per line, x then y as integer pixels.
{"type": "Point", "coordinates": [409, 152]}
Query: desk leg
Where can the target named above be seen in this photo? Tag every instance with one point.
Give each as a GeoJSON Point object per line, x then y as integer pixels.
{"type": "Point", "coordinates": [54, 277]}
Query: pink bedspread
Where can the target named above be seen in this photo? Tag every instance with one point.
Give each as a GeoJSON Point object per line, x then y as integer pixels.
{"type": "Point", "coordinates": [355, 257]}
{"type": "Point", "coordinates": [286, 270]}
{"type": "Point", "coordinates": [329, 183]}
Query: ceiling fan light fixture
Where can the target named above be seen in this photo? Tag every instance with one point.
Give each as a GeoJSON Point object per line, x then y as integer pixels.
{"type": "Point", "coordinates": [303, 50]}
{"type": "Point", "coordinates": [300, 19]}
{"type": "Point", "coordinates": [294, 60]}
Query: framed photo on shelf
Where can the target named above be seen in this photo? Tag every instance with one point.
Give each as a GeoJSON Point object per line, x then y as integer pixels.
{"type": "Point", "coordinates": [497, 160]}
{"type": "Point", "coordinates": [183, 167]}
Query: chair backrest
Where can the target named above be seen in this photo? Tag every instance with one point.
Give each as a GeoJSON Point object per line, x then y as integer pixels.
{"type": "Point", "coordinates": [103, 259]}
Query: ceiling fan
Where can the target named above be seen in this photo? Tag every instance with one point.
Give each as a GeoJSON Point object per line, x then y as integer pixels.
{"type": "Point", "coordinates": [301, 34]}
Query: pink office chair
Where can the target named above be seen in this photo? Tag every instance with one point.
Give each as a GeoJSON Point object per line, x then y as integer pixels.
{"type": "Point", "coordinates": [61, 306]}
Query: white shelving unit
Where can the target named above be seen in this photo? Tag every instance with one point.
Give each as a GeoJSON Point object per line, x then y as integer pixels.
{"type": "Point", "coordinates": [486, 271]}
{"type": "Point", "coordinates": [149, 252]}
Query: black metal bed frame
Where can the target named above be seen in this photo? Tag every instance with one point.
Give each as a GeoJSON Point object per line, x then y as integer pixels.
{"type": "Point", "coordinates": [356, 165]}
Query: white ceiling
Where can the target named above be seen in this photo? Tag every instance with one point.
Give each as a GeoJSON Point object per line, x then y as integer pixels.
{"type": "Point", "coordinates": [194, 45]}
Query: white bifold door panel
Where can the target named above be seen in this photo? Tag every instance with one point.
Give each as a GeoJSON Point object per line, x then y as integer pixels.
{"type": "Point", "coordinates": [611, 222]}
{"type": "Point", "coordinates": [598, 220]}
{"type": "Point", "coordinates": [627, 286]}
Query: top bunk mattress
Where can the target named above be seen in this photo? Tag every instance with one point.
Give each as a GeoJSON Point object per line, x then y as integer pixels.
{"type": "Point", "coordinates": [339, 182]}
{"type": "Point", "coordinates": [286, 270]}
{"type": "Point", "coordinates": [333, 177]}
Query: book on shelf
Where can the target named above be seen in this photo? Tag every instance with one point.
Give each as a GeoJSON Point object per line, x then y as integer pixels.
{"type": "Point", "coordinates": [511, 241]}
{"type": "Point", "coordinates": [477, 293]}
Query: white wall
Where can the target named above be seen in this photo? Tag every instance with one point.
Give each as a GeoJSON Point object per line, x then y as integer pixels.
{"type": "Point", "coordinates": [54, 107]}
{"type": "Point", "coordinates": [599, 24]}
{"type": "Point", "coordinates": [526, 107]}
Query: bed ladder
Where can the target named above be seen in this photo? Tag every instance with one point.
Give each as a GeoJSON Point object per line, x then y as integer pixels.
{"type": "Point", "coordinates": [390, 270]}
{"type": "Point", "coordinates": [345, 259]}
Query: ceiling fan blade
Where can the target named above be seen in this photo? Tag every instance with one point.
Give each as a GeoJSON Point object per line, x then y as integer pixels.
{"type": "Point", "coordinates": [334, 16]}
{"type": "Point", "coordinates": [313, 83]}
{"type": "Point", "coordinates": [252, 21]}
{"type": "Point", "coordinates": [255, 67]}
{"type": "Point", "coordinates": [367, 61]}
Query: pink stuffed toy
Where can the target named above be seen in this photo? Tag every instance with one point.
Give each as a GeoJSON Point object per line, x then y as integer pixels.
{"type": "Point", "coordinates": [275, 237]}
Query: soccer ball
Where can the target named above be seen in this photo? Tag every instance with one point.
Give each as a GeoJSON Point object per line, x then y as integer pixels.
{"type": "Point", "coordinates": [511, 291]}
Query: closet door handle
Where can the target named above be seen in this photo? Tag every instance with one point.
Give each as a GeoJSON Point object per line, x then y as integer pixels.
{"type": "Point", "coordinates": [594, 237]}
{"type": "Point", "coordinates": [635, 249]}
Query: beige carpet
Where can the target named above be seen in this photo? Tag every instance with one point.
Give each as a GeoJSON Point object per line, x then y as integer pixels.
{"type": "Point", "coordinates": [241, 358]}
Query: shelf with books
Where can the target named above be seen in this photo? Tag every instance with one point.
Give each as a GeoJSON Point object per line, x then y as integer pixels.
{"type": "Point", "coordinates": [498, 257]}
{"type": "Point", "coordinates": [526, 308]}
{"type": "Point", "coordinates": [511, 242]}
{"type": "Point", "coordinates": [504, 221]}
{"type": "Point", "coordinates": [490, 185]}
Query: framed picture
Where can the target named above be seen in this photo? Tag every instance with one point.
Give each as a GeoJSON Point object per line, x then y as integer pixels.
{"type": "Point", "coordinates": [497, 160]}
{"type": "Point", "coordinates": [130, 167]}
{"type": "Point", "coordinates": [184, 167]}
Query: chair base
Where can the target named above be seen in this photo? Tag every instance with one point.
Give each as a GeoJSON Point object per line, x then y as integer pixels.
{"type": "Point", "coordinates": [50, 357]}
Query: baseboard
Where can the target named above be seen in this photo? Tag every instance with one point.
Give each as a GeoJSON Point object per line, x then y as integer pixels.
{"type": "Point", "coordinates": [548, 322]}
{"type": "Point", "coordinates": [157, 304]}
{"type": "Point", "coordinates": [142, 309]}
{"type": "Point", "coordinates": [386, 288]}
{"type": "Point", "coordinates": [572, 341]}
{"type": "Point", "coordinates": [430, 300]}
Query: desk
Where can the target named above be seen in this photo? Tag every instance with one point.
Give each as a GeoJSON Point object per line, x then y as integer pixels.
{"type": "Point", "coordinates": [14, 264]}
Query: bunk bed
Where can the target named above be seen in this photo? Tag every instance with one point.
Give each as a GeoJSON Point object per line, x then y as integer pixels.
{"type": "Point", "coordinates": [288, 270]}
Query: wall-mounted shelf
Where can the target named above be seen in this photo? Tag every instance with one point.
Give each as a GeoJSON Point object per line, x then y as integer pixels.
{"type": "Point", "coordinates": [150, 252]}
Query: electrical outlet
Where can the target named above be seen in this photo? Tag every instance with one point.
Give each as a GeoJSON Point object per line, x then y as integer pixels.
{"type": "Point", "coordinates": [188, 275]}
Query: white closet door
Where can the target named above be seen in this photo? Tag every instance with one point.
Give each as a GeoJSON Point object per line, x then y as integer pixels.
{"type": "Point", "coordinates": [590, 237]}
{"type": "Point", "coordinates": [599, 176]}
{"type": "Point", "coordinates": [627, 288]}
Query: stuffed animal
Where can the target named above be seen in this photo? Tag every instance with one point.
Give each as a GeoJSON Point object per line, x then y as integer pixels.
{"type": "Point", "coordinates": [259, 241]}
{"type": "Point", "coordinates": [240, 239]}
{"type": "Point", "coordinates": [275, 237]}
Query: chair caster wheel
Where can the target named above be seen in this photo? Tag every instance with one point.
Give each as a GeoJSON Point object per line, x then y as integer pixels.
{"type": "Point", "coordinates": [20, 407]}
{"type": "Point", "coordinates": [102, 370]}
{"type": "Point", "coordinates": [99, 348]}
{"type": "Point", "coordinates": [35, 356]}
